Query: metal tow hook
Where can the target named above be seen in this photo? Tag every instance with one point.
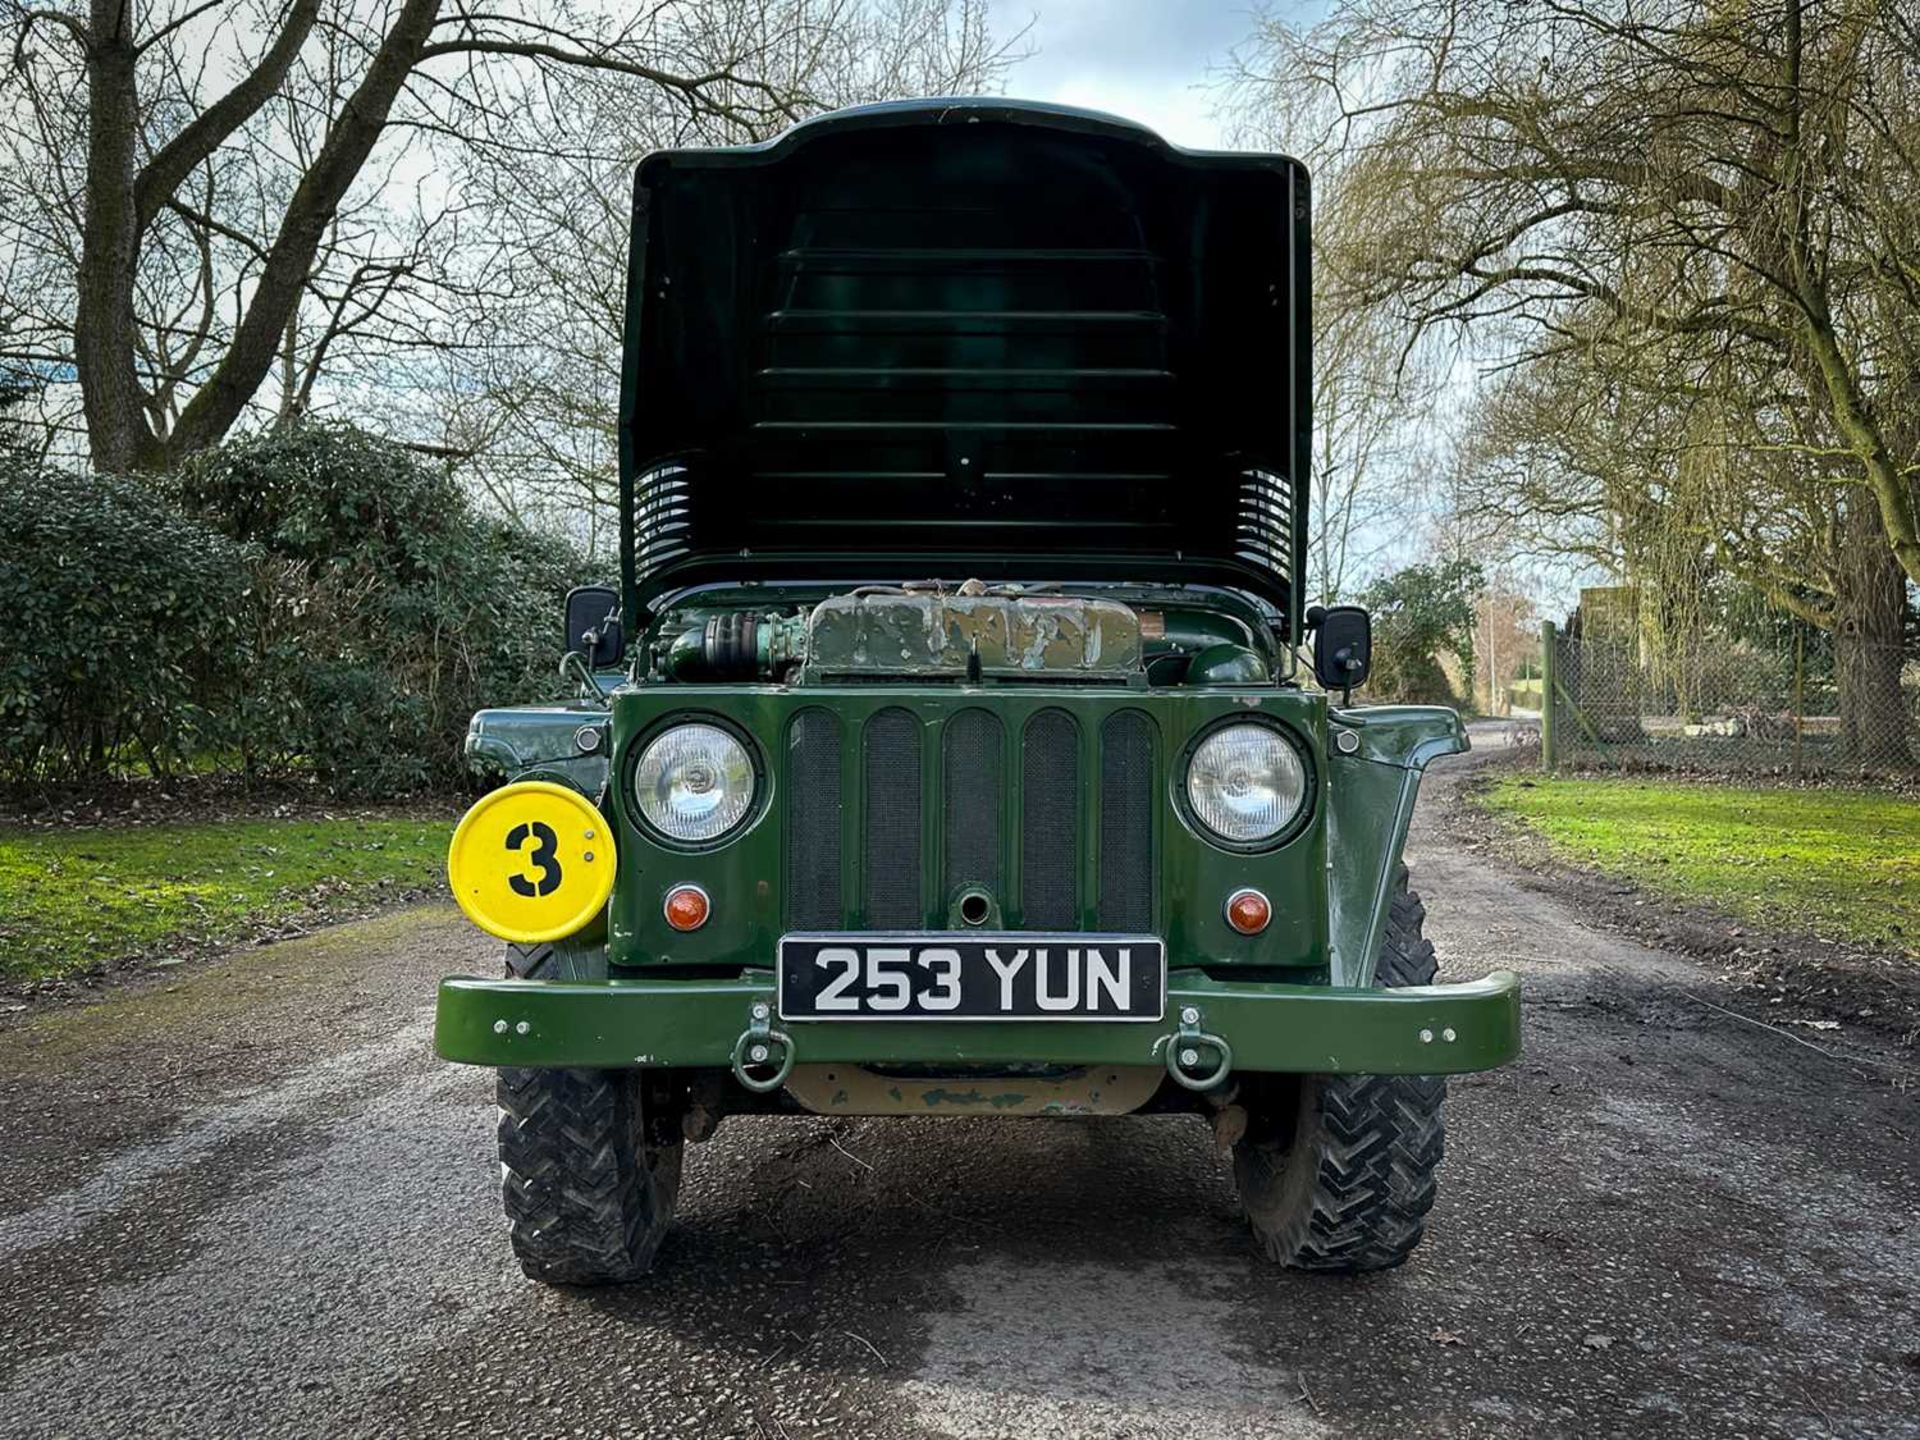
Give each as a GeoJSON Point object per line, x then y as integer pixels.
{"type": "Point", "coordinates": [1186, 1047]}
{"type": "Point", "coordinates": [757, 1046]}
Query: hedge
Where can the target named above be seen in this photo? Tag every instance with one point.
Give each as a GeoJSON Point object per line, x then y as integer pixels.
{"type": "Point", "coordinates": [311, 603]}
{"type": "Point", "coordinates": [125, 630]}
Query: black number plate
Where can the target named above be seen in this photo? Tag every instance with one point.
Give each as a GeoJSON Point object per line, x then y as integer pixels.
{"type": "Point", "coordinates": [971, 976]}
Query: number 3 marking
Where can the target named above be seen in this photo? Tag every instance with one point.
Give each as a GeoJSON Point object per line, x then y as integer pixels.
{"type": "Point", "coordinates": [947, 996]}
{"type": "Point", "coordinates": [543, 856]}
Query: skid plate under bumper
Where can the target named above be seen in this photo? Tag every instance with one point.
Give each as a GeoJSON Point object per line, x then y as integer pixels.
{"type": "Point", "coordinates": [1212, 1027]}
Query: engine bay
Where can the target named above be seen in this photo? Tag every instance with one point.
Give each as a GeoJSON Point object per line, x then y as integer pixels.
{"type": "Point", "coordinates": [973, 634]}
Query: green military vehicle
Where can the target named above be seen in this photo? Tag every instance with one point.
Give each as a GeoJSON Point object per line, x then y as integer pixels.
{"type": "Point", "coordinates": [945, 749]}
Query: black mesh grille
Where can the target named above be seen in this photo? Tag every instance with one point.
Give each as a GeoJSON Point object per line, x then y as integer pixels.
{"type": "Point", "coordinates": [1126, 822]}
{"type": "Point", "coordinates": [893, 821]}
{"type": "Point", "coordinates": [813, 821]}
{"type": "Point", "coordinates": [1049, 826]}
{"type": "Point", "coordinates": [974, 796]}
{"type": "Point", "coordinates": [970, 807]}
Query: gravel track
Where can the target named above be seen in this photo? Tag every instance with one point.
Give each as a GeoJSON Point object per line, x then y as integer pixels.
{"type": "Point", "coordinates": [248, 1201]}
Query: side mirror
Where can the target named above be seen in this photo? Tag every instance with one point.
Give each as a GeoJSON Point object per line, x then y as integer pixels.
{"type": "Point", "coordinates": [1342, 646]}
{"type": "Point", "coordinates": [593, 625]}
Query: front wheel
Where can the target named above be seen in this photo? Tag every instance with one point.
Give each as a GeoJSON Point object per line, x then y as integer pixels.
{"type": "Point", "coordinates": [589, 1176]}
{"type": "Point", "coordinates": [1337, 1171]}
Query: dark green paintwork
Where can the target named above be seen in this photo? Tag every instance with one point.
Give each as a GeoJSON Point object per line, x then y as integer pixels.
{"type": "Point", "coordinates": [965, 338]}
{"type": "Point", "coordinates": [744, 876]}
{"type": "Point", "coordinates": [1331, 886]}
{"type": "Point", "coordinates": [1371, 793]}
{"type": "Point", "coordinates": [1228, 665]}
{"type": "Point", "coordinates": [972, 431]}
{"type": "Point", "coordinates": [1303, 1028]}
{"type": "Point", "coordinates": [541, 742]}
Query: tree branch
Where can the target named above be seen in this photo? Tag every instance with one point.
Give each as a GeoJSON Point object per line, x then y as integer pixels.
{"type": "Point", "coordinates": [315, 200]}
{"type": "Point", "coordinates": [692, 87]}
{"type": "Point", "coordinates": [177, 23]}
{"type": "Point", "coordinates": [177, 159]}
{"type": "Point", "coordinates": [28, 19]}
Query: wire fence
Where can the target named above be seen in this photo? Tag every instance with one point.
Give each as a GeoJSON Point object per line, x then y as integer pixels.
{"type": "Point", "coordinates": [1787, 703]}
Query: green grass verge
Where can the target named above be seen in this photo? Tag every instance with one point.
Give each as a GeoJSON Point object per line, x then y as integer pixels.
{"type": "Point", "coordinates": [1839, 864]}
{"type": "Point", "coordinates": [73, 898]}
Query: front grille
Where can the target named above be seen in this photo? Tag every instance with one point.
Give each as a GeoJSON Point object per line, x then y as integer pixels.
{"type": "Point", "coordinates": [1011, 807]}
{"type": "Point", "coordinates": [813, 820]}
{"type": "Point", "coordinates": [892, 776]}
{"type": "Point", "coordinates": [1126, 822]}
{"type": "Point", "coordinates": [1049, 833]}
{"type": "Point", "coordinates": [974, 800]}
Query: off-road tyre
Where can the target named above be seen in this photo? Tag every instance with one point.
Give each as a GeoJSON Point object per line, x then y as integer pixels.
{"type": "Point", "coordinates": [558, 960]}
{"type": "Point", "coordinates": [588, 1178]}
{"type": "Point", "coordinates": [1337, 1171]}
{"type": "Point", "coordinates": [589, 1170]}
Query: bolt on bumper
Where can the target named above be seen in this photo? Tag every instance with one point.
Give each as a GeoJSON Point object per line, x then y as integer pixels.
{"type": "Point", "coordinates": [1212, 1028]}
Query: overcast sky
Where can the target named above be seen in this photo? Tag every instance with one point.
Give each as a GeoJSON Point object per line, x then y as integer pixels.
{"type": "Point", "coordinates": [1147, 60]}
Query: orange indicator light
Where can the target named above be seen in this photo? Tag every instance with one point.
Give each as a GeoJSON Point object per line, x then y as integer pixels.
{"type": "Point", "coordinates": [687, 907]}
{"type": "Point", "coordinates": [1248, 911]}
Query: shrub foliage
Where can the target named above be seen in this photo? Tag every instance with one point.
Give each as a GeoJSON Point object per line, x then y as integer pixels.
{"type": "Point", "coordinates": [125, 625]}
{"type": "Point", "coordinates": [1420, 614]}
{"type": "Point", "coordinates": [310, 602]}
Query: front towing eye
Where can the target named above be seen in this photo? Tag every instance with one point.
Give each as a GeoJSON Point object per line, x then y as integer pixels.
{"type": "Point", "coordinates": [757, 1047]}
{"type": "Point", "coordinates": [1185, 1049]}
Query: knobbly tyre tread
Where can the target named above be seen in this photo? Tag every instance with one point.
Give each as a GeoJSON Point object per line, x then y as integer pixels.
{"type": "Point", "coordinates": [1347, 1186]}
{"type": "Point", "coordinates": [588, 1194]}
{"type": "Point", "coordinates": [557, 960]}
{"type": "Point", "coordinates": [526, 961]}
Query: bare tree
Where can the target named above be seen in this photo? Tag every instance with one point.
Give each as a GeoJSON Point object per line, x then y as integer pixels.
{"type": "Point", "coordinates": [1375, 385]}
{"type": "Point", "coordinates": [1671, 488]}
{"type": "Point", "coordinates": [1506, 640]}
{"type": "Point", "coordinates": [221, 186]}
{"type": "Point", "coordinates": [537, 406]}
{"type": "Point", "coordinates": [1692, 223]}
{"type": "Point", "coordinates": [1376, 447]}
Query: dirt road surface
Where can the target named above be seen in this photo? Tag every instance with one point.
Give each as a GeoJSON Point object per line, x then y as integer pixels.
{"type": "Point", "coordinates": [248, 1201]}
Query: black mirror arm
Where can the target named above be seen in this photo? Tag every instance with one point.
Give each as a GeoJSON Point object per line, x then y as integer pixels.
{"type": "Point", "coordinates": [1343, 658]}
{"type": "Point", "coordinates": [579, 669]}
{"type": "Point", "coordinates": [594, 638]}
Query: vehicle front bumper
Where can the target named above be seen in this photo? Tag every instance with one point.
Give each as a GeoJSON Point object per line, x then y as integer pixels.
{"type": "Point", "coordinates": [1224, 1025]}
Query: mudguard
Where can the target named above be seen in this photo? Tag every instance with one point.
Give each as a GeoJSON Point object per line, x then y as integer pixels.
{"type": "Point", "coordinates": [1375, 758]}
{"type": "Point", "coordinates": [567, 744]}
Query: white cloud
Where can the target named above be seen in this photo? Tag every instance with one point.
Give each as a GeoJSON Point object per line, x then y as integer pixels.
{"type": "Point", "coordinates": [1180, 114]}
{"type": "Point", "coordinates": [1145, 60]}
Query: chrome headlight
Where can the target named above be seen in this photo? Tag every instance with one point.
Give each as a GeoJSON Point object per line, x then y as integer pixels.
{"type": "Point", "coordinates": [694, 783]}
{"type": "Point", "coordinates": [1246, 783]}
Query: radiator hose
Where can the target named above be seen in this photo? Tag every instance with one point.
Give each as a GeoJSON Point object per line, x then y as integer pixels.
{"type": "Point", "coordinates": [737, 646]}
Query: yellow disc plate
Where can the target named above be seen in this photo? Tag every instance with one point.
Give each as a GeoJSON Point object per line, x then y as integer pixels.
{"type": "Point", "coordinates": [532, 861]}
